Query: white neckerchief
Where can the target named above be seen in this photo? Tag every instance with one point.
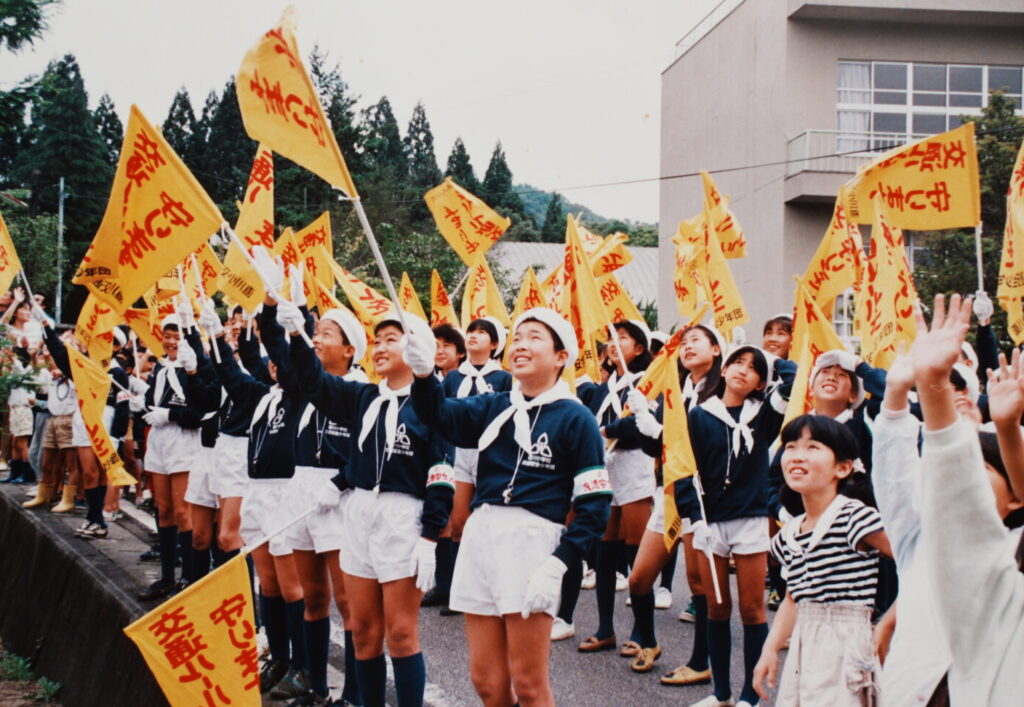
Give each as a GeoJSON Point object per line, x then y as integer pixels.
{"type": "Point", "coordinates": [390, 398]}
{"type": "Point", "coordinates": [267, 404]}
{"type": "Point", "coordinates": [691, 391]}
{"type": "Point", "coordinates": [845, 416]}
{"type": "Point", "coordinates": [792, 528]}
{"type": "Point", "coordinates": [354, 374]}
{"type": "Point", "coordinates": [742, 435]}
{"type": "Point", "coordinates": [615, 386]}
{"type": "Point", "coordinates": [473, 380]}
{"type": "Point", "coordinates": [164, 377]}
{"type": "Point", "coordinates": [518, 412]}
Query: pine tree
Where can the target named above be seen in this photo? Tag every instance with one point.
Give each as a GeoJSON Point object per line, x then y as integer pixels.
{"type": "Point", "coordinates": [22, 22]}
{"type": "Point", "coordinates": [424, 173]}
{"type": "Point", "coordinates": [179, 126]}
{"type": "Point", "coordinates": [498, 190]}
{"type": "Point", "coordinates": [460, 169]}
{"type": "Point", "coordinates": [110, 128]}
{"type": "Point", "coordinates": [339, 106]}
{"type": "Point", "coordinates": [553, 230]}
{"type": "Point", "coordinates": [198, 147]}
{"type": "Point", "coordinates": [382, 144]}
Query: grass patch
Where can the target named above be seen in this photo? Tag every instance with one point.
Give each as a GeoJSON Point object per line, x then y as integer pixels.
{"type": "Point", "coordinates": [18, 680]}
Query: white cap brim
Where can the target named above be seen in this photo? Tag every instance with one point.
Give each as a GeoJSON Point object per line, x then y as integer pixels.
{"type": "Point", "coordinates": [502, 334]}
{"type": "Point", "coordinates": [351, 328]}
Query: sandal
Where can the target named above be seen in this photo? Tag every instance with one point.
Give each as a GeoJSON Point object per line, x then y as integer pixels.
{"type": "Point", "coordinates": [629, 649]}
{"type": "Point", "coordinates": [685, 675]}
{"type": "Point", "coordinates": [593, 644]}
{"type": "Point", "coordinates": [644, 660]}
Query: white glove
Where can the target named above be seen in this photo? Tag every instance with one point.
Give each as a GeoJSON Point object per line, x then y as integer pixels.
{"type": "Point", "coordinates": [157, 417]}
{"type": "Point", "coordinates": [271, 271]}
{"type": "Point", "coordinates": [701, 534]}
{"type": "Point", "coordinates": [636, 400]}
{"type": "Point", "coordinates": [137, 403]}
{"type": "Point", "coordinates": [544, 588]}
{"type": "Point", "coordinates": [424, 562]}
{"type": "Point", "coordinates": [326, 497]}
{"type": "Point", "coordinates": [646, 423]}
{"type": "Point", "coordinates": [983, 308]}
{"type": "Point", "coordinates": [38, 314]}
{"type": "Point", "coordinates": [290, 317]}
{"type": "Point", "coordinates": [187, 357]}
{"type": "Point", "coordinates": [184, 309]}
{"type": "Point", "coordinates": [209, 320]}
{"type": "Point", "coordinates": [419, 347]}
{"type": "Point", "coordinates": [297, 292]}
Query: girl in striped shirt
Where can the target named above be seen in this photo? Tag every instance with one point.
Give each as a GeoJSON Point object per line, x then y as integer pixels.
{"type": "Point", "coordinates": [829, 558]}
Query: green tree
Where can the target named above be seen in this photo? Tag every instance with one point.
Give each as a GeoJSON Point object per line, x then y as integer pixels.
{"type": "Point", "coordinates": [35, 240]}
{"type": "Point", "coordinates": [460, 169]}
{"type": "Point", "coordinates": [109, 126]}
{"type": "Point", "coordinates": [179, 127]}
{"type": "Point", "coordinates": [553, 230]}
{"type": "Point", "coordinates": [229, 154]}
{"type": "Point", "coordinates": [197, 149]}
{"type": "Point", "coordinates": [498, 190]}
{"type": "Point", "coordinates": [424, 173]}
{"type": "Point", "coordinates": [22, 22]}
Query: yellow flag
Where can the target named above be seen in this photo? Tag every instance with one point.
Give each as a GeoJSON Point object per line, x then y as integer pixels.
{"type": "Point", "coordinates": [200, 644]}
{"type": "Point", "coordinates": [441, 309]}
{"type": "Point", "coordinates": [10, 266]}
{"type": "Point", "coordinates": [531, 295]}
{"type": "Point", "coordinates": [655, 379]}
{"type": "Point", "coordinates": [202, 274]}
{"type": "Point", "coordinates": [481, 297]}
{"type": "Point", "coordinates": [469, 225]}
{"type": "Point", "coordinates": [581, 302]}
{"type": "Point", "coordinates": [1014, 319]}
{"type": "Point", "coordinates": [887, 293]}
{"type": "Point", "coordinates": [92, 384]}
{"type": "Point", "coordinates": [157, 214]}
{"type": "Point", "coordinates": [689, 274]}
{"type": "Point", "coordinates": [255, 225]}
{"type": "Point", "coordinates": [408, 299]}
{"type": "Point", "coordinates": [95, 328]}
{"type": "Point", "coordinates": [280, 107]}
{"type": "Point", "coordinates": [677, 461]}
{"type": "Point", "coordinates": [728, 230]}
{"type": "Point", "coordinates": [316, 246]}
{"type": "Point", "coordinates": [239, 281]}
{"type": "Point", "coordinates": [838, 263]}
{"type": "Point", "coordinates": [142, 323]}
{"type": "Point", "coordinates": [719, 285]}
{"type": "Point", "coordinates": [813, 335]}
{"type": "Point", "coordinates": [927, 185]}
{"type": "Point", "coordinates": [1011, 266]}
{"type": "Point", "coordinates": [610, 255]}
{"type": "Point", "coordinates": [368, 305]}
{"type": "Point", "coordinates": [616, 300]}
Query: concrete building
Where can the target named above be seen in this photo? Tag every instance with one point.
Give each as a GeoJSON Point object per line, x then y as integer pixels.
{"type": "Point", "coordinates": [787, 85]}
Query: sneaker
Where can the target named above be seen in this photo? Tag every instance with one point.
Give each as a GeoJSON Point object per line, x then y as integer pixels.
{"type": "Point", "coordinates": [151, 556]}
{"type": "Point", "coordinates": [271, 674]}
{"type": "Point", "coordinates": [688, 614]}
{"type": "Point", "coordinates": [311, 699]}
{"type": "Point", "coordinates": [113, 516]}
{"type": "Point", "coordinates": [157, 590]}
{"type": "Point", "coordinates": [295, 683]}
{"type": "Point", "coordinates": [589, 579]}
{"type": "Point", "coordinates": [621, 582]}
{"type": "Point", "coordinates": [81, 529]}
{"type": "Point", "coordinates": [712, 701]}
{"type": "Point", "coordinates": [93, 531]}
{"type": "Point", "coordinates": [560, 630]}
{"type": "Point", "coordinates": [662, 598]}
{"type": "Point", "coordinates": [774, 601]}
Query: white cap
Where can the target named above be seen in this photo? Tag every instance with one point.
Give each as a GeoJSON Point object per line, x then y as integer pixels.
{"type": "Point", "coordinates": [845, 360]}
{"type": "Point", "coordinates": [659, 336]}
{"type": "Point", "coordinates": [970, 355]}
{"type": "Point", "coordinates": [351, 328]}
{"type": "Point", "coordinates": [971, 379]}
{"type": "Point", "coordinates": [170, 320]}
{"type": "Point", "coordinates": [119, 338]}
{"type": "Point", "coordinates": [644, 329]}
{"type": "Point", "coordinates": [502, 334]}
{"type": "Point", "coordinates": [562, 328]}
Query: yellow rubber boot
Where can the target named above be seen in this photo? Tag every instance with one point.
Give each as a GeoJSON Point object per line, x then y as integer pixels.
{"type": "Point", "coordinates": [67, 501]}
{"type": "Point", "coordinates": [44, 494]}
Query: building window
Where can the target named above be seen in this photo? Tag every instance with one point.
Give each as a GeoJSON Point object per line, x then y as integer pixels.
{"type": "Point", "coordinates": [904, 100]}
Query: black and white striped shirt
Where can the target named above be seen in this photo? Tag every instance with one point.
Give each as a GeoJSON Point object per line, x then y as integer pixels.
{"type": "Point", "coordinates": [834, 570]}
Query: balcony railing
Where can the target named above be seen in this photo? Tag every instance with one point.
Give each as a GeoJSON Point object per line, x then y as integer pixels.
{"type": "Point", "coordinates": [838, 151]}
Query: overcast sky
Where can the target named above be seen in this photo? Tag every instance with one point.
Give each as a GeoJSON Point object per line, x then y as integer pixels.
{"type": "Point", "coordinates": [570, 87]}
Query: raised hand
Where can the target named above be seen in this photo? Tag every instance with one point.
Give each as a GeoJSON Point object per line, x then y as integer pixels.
{"type": "Point", "coordinates": [1006, 390]}
{"type": "Point", "coordinates": [937, 348]}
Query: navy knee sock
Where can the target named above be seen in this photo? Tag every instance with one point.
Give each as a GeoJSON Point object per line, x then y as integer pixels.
{"type": "Point", "coordinates": [275, 621]}
{"type": "Point", "coordinates": [168, 539]}
{"type": "Point", "coordinates": [643, 619]}
{"type": "Point", "coordinates": [607, 552]}
{"type": "Point", "coordinates": [669, 570]}
{"type": "Point", "coordinates": [410, 679]}
{"type": "Point", "coordinates": [720, 647]}
{"type": "Point", "coordinates": [699, 657]}
{"type": "Point", "coordinates": [754, 636]}
{"type": "Point", "coordinates": [351, 692]}
{"type": "Point", "coordinates": [185, 553]}
{"type": "Point", "coordinates": [373, 680]}
{"type": "Point", "coordinates": [219, 556]}
{"type": "Point", "coordinates": [297, 632]}
{"type": "Point", "coordinates": [621, 560]}
{"type": "Point", "coordinates": [445, 565]}
{"type": "Point", "coordinates": [200, 563]}
{"type": "Point", "coordinates": [318, 642]}
{"type": "Point", "coordinates": [94, 505]}
{"type": "Point", "coordinates": [570, 591]}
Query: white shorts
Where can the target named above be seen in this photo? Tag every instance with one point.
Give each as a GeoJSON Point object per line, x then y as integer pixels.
{"type": "Point", "coordinates": [22, 424]}
{"type": "Point", "coordinates": [231, 473]}
{"type": "Point", "coordinates": [631, 473]}
{"type": "Point", "coordinates": [656, 523]}
{"type": "Point", "coordinates": [79, 435]}
{"type": "Point", "coordinates": [501, 546]}
{"type": "Point", "coordinates": [465, 465]}
{"type": "Point", "coordinates": [318, 532]}
{"type": "Point", "coordinates": [381, 531]}
{"type": "Point", "coordinates": [261, 514]}
{"type": "Point", "coordinates": [171, 449]}
{"type": "Point", "coordinates": [200, 479]}
{"type": "Point", "coordinates": [742, 536]}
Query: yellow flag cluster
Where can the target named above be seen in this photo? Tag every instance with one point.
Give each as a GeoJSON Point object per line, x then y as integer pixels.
{"type": "Point", "coordinates": [482, 297]}
{"type": "Point", "coordinates": [677, 461]}
{"type": "Point", "coordinates": [93, 385]}
{"type": "Point", "coordinates": [10, 265]}
{"type": "Point", "coordinates": [838, 264]}
{"type": "Point", "coordinates": [201, 644]}
{"type": "Point", "coordinates": [1011, 266]}
{"type": "Point", "coordinates": [408, 300]}
{"type": "Point", "coordinates": [441, 309]}
{"type": "Point", "coordinates": [580, 302]}
{"type": "Point", "coordinates": [469, 225]}
{"type": "Point", "coordinates": [95, 328]}
{"type": "Point", "coordinates": [716, 211]}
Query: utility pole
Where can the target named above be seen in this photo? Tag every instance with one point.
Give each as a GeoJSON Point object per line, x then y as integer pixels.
{"type": "Point", "coordinates": [60, 248]}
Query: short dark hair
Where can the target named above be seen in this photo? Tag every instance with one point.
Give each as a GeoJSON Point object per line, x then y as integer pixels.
{"type": "Point", "coordinates": [760, 362]}
{"type": "Point", "coordinates": [386, 323]}
{"type": "Point", "coordinates": [487, 328]}
{"type": "Point", "coordinates": [783, 320]}
{"type": "Point", "coordinates": [822, 428]}
{"type": "Point", "coordinates": [446, 332]}
{"type": "Point", "coordinates": [171, 326]}
{"type": "Point", "coordinates": [643, 359]}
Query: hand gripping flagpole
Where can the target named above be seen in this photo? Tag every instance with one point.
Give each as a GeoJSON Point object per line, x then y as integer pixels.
{"type": "Point", "coordinates": [202, 295]}
{"type": "Point", "coordinates": [707, 551]}
{"type": "Point", "coordinates": [273, 295]}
